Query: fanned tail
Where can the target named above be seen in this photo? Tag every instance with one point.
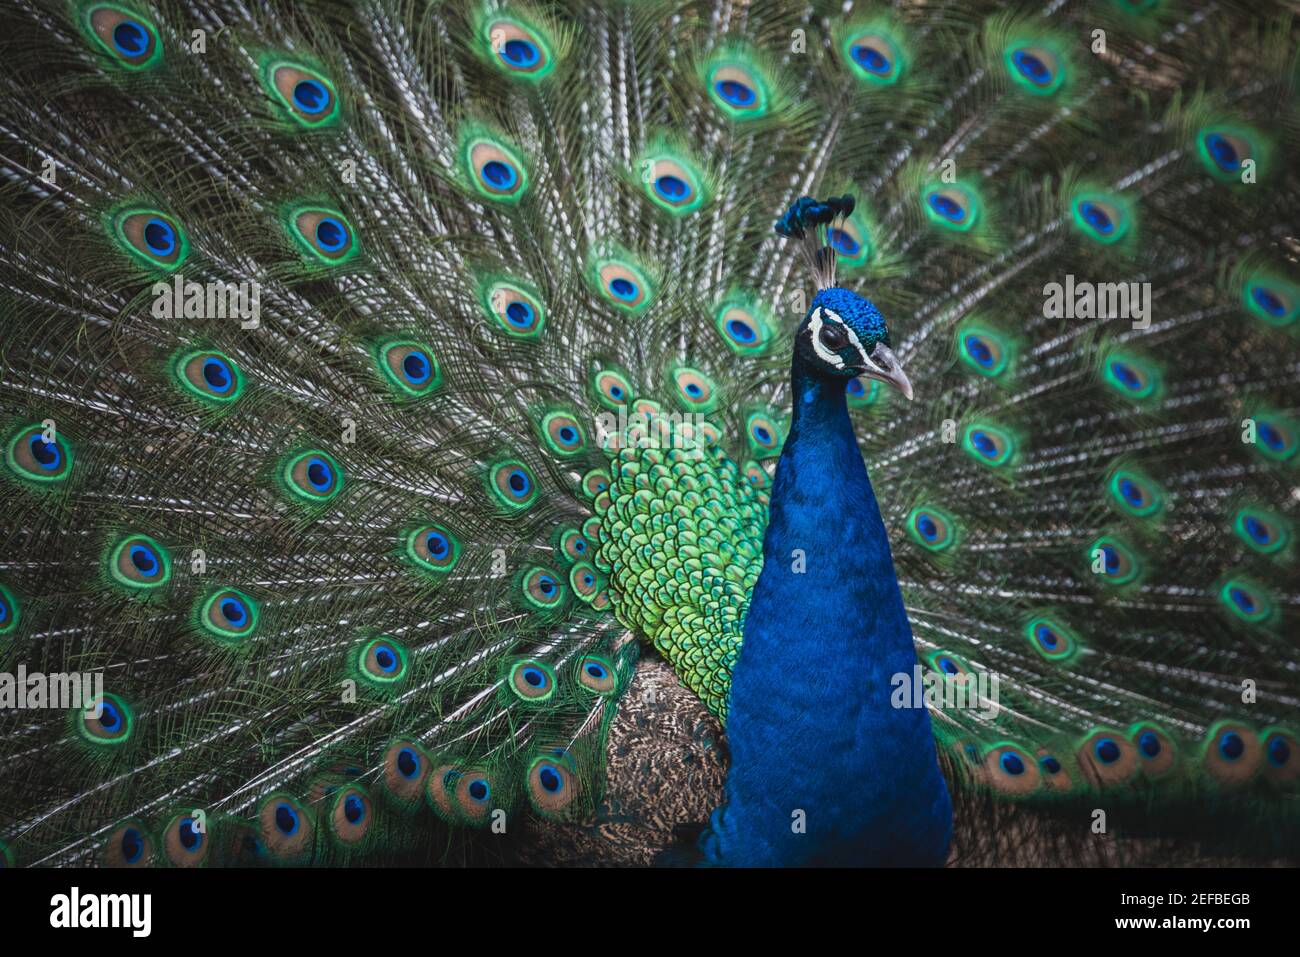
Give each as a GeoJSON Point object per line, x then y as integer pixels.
{"type": "Point", "coordinates": [319, 321]}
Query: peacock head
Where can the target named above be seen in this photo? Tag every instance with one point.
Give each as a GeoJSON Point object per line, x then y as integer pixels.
{"type": "Point", "coordinates": [844, 336]}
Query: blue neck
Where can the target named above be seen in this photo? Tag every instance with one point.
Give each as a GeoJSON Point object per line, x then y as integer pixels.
{"type": "Point", "coordinates": [811, 728]}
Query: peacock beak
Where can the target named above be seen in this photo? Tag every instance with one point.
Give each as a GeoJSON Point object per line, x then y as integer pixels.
{"type": "Point", "coordinates": [882, 364]}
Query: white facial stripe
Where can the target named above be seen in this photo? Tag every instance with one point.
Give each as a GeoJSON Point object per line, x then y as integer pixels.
{"type": "Point", "coordinates": [857, 344]}
{"type": "Point", "coordinates": [815, 329]}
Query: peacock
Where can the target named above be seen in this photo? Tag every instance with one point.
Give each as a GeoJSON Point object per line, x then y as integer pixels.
{"type": "Point", "coordinates": [728, 432]}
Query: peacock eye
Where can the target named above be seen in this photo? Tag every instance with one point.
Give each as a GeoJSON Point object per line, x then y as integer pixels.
{"type": "Point", "coordinates": [382, 661]}
{"type": "Point", "coordinates": [128, 37]}
{"type": "Point", "coordinates": [833, 337]}
{"type": "Point", "coordinates": [305, 94]}
{"type": "Point", "coordinates": [531, 680]}
{"type": "Point", "coordinates": [322, 233]}
{"type": "Point", "coordinates": [597, 674]}
{"type": "Point", "coordinates": [542, 589]}
{"type": "Point", "coordinates": [584, 582]}
{"type": "Point", "coordinates": [350, 817]}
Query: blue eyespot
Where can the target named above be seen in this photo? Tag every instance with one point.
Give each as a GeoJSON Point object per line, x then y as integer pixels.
{"type": "Point", "coordinates": [984, 443]}
{"type": "Point", "coordinates": [1270, 303]}
{"type": "Point", "coordinates": [979, 350]}
{"type": "Point", "coordinates": [479, 790]}
{"type": "Point", "coordinates": [1011, 763]}
{"type": "Point", "coordinates": [871, 60]}
{"type": "Point", "coordinates": [286, 819]}
{"type": "Point", "coordinates": [599, 671]}
{"type": "Point", "coordinates": [110, 718]}
{"type": "Point", "coordinates": [535, 676]}
{"type": "Point", "coordinates": [160, 237]}
{"type": "Point", "coordinates": [310, 96]}
{"type": "Point", "coordinates": [138, 562]}
{"type": "Point", "coordinates": [234, 612]}
{"type": "Point", "coordinates": [741, 331]}
{"type": "Point", "coordinates": [319, 474]}
{"type": "Point", "coordinates": [1097, 218]}
{"type": "Point", "coordinates": [520, 53]}
{"type": "Point", "coordinates": [130, 38]}
{"type": "Point", "coordinates": [1231, 746]}
{"type": "Point", "coordinates": [736, 93]}
{"type": "Point", "coordinates": [190, 839]}
{"type": "Point", "coordinates": [948, 666]}
{"type": "Point", "coordinates": [1110, 558]}
{"type": "Point", "coordinates": [417, 368]}
{"type": "Point", "coordinates": [671, 188]}
{"type": "Point", "coordinates": [408, 763]}
{"type": "Point", "coordinates": [1031, 67]}
{"type": "Point", "coordinates": [1132, 494]}
{"type": "Point", "coordinates": [947, 207]}
{"type": "Point", "coordinates": [520, 314]}
{"type": "Point", "coordinates": [437, 544]}
{"type": "Point", "coordinates": [1242, 599]}
{"type": "Point", "coordinates": [1050, 764]}
{"type": "Point", "coordinates": [386, 658]}
{"type": "Point", "coordinates": [495, 170]}
{"type": "Point", "coordinates": [1222, 152]}
{"type": "Point", "coordinates": [1126, 376]}
{"type": "Point", "coordinates": [46, 454]}
{"type": "Point", "coordinates": [354, 809]}
{"type": "Point", "coordinates": [843, 243]}
{"type": "Point", "coordinates": [228, 614]}
{"type": "Point", "coordinates": [1149, 744]}
{"type": "Point", "coordinates": [623, 288]}
{"type": "Point", "coordinates": [331, 234]}
{"type": "Point", "coordinates": [1272, 437]}
{"type": "Point", "coordinates": [764, 432]}
{"type": "Point", "coordinates": [1107, 751]}
{"type": "Point", "coordinates": [217, 374]}
{"type": "Point", "coordinates": [500, 176]}
{"type": "Point", "coordinates": [855, 388]}
{"type": "Point", "coordinates": [144, 560]}
{"type": "Point", "coordinates": [550, 779]}
{"type": "Point", "coordinates": [1279, 752]}
{"type": "Point", "coordinates": [132, 845]}
{"type": "Point", "coordinates": [512, 484]}
{"type": "Point", "coordinates": [1046, 637]}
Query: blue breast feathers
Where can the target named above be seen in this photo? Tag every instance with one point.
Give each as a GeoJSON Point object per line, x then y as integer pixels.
{"type": "Point", "coordinates": [824, 769]}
